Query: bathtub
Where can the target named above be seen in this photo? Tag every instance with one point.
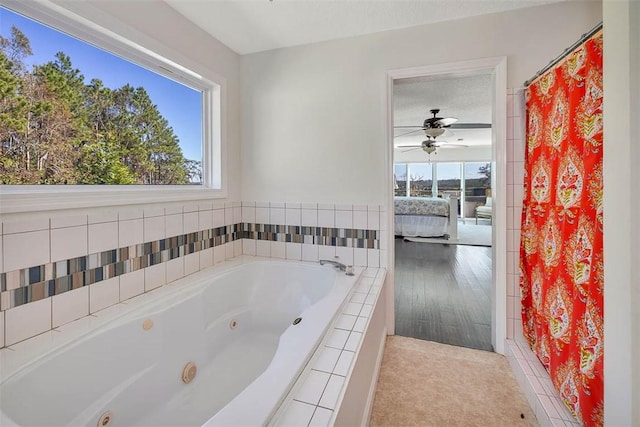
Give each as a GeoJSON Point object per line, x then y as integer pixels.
{"type": "Point", "coordinates": [234, 324]}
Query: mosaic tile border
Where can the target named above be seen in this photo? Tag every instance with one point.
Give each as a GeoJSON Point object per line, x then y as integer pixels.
{"type": "Point", "coordinates": [19, 287]}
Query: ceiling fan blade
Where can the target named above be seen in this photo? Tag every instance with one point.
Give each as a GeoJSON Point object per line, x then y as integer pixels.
{"type": "Point", "coordinates": [446, 121]}
{"type": "Point", "coordinates": [452, 145]}
{"type": "Point", "coordinates": [410, 149]}
{"type": "Point", "coordinates": [407, 127]}
{"type": "Point", "coordinates": [408, 146]}
{"type": "Point", "coordinates": [408, 133]}
{"type": "Point", "coordinates": [470, 126]}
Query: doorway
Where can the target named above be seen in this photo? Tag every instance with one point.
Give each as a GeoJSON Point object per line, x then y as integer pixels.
{"type": "Point", "coordinates": [442, 265]}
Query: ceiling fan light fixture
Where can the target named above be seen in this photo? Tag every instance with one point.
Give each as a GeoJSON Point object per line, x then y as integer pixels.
{"type": "Point", "coordinates": [434, 132]}
{"type": "Point", "coordinates": [429, 149]}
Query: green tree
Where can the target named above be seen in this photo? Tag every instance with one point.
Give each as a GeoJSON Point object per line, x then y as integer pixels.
{"type": "Point", "coordinates": [485, 171]}
{"type": "Point", "coordinates": [55, 129]}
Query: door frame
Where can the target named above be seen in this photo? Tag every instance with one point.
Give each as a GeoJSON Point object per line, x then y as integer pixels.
{"type": "Point", "coordinates": [497, 68]}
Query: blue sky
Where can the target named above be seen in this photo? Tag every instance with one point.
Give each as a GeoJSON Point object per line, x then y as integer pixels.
{"type": "Point", "coordinates": [180, 105]}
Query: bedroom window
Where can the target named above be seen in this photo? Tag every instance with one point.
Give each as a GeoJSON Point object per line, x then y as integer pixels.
{"type": "Point", "coordinates": [400, 179]}
{"type": "Point", "coordinates": [98, 119]}
{"type": "Point", "coordinates": [469, 180]}
{"type": "Point", "coordinates": [448, 178]}
{"type": "Point", "coordinates": [420, 179]}
{"type": "Point", "coordinates": [477, 179]}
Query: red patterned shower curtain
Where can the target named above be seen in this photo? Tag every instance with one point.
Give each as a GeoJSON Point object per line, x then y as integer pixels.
{"type": "Point", "coordinates": [561, 242]}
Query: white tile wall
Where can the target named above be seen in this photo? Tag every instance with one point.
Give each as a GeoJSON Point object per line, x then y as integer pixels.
{"type": "Point", "coordinates": [249, 247]}
{"type": "Point", "coordinates": [277, 215]}
{"type": "Point", "coordinates": [25, 226]}
{"type": "Point", "coordinates": [27, 321]}
{"type": "Point", "coordinates": [104, 294]}
{"type": "Point", "coordinates": [360, 220]}
{"type": "Point", "coordinates": [173, 225]}
{"type": "Point", "coordinates": [294, 251]}
{"type": "Point", "coordinates": [152, 211]}
{"type": "Point", "coordinates": [174, 269]}
{"type": "Point", "coordinates": [279, 250]}
{"type": "Point", "coordinates": [131, 284]}
{"type": "Point", "coordinates": [205, 220]}
{"type": "Point", "coordinates": [154, 228]}
{"type": "Point", "coordinates": [219, 254]}
{"type": "Point", "coordinates": [37, 242]}
{"type": "Point", "coordinates": [190, 222]}
{"type": "Point", "coordinates": [309, 217]}
{"type": "Point", "coordinates": [104, 216]}
{"type": "Point", "coordinates": [154, 276]}
{"type": "Point", "coordinates": [130, 214]}
{"type": "Point", "coordinates": [344, 219]}
{"type": "Point", "coordinates": [44, 240]}
{"type": "Point", "coordinates": [326, 218]}
{"type": "Point", "coordinates": [515, 181]}
{"type": "Point", "coordinates": [360, 257]}
{"type": "Point", "coordinates": [130, 232]}
{"type": "Point", "coordinates": [102, 236]}
{"type": "Point", "coordinates": [206, 258]}
{"type": "Point", "coordinates": [68, 221]}
{"type": "Point", "coordinates": [68, 242]}
{"type": "Point", "coordinates": [27, 249]}
{"type": "Point", "coordinates": [69, 306]}
{"type": "Point", "coordinates": [345, 255]}
{"type": "Point", "coordinates": [310, 252]}
{"type": "Point", "coordinates": [293, 216]}
{"type": "Point", "coordinates": [262, 215]}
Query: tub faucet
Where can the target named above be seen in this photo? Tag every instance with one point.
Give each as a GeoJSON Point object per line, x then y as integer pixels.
{"type": "Point", "coordinates": [348, 269]}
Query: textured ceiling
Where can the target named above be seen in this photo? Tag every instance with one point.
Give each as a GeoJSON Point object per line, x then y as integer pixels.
{"type": "Point", "coordinates": [249, 26]}
{"type": "Point", "coordinates": [468, 99]}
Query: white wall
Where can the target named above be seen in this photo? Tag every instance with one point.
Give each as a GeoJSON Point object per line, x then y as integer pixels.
{"type": "Point", "coordinates": [313, 126]}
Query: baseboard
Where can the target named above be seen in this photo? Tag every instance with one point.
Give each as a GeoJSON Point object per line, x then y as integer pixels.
{"type": "Point", "coordinates": [368, 409]}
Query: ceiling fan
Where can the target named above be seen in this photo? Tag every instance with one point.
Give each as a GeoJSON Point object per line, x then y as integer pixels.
{"type": "Point", "coordinates": [430, 145]}
{"type": "Point", "coordinates": [435, 126]}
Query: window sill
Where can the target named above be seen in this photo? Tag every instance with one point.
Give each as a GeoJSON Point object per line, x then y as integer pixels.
{"type": "Point", "coordinates": [25, 199]}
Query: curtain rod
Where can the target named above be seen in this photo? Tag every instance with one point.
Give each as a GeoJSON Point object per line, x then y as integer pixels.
{"type": "Point", "coordinates": [564, 53]}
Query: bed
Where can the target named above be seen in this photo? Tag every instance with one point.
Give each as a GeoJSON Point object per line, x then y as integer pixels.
{"type": "Point", "coordinates": [424, 216]}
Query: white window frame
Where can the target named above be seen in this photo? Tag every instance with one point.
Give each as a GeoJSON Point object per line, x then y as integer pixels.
{"type": "Point", "coordinates": [16, 199]}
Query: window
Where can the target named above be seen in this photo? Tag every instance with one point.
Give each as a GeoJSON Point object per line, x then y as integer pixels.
{"type": "Point", "coordinates": [477, 179]}
{"type": "Point", "coordinates": [421, 180]}
{"type": "Point", "coordinates": [81, 120]}
{"type": "Point", "coordinates": [400, 178]}
{"type": "Point", "coordinates": [469, 181]}
{"type": "Point", "coordinates": [448, 178]}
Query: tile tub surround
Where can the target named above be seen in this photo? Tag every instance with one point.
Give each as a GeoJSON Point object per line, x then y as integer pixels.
{"type": "Point", "coordinates": [318, 393]}
{"type": "Point", "coordinates": [112, 272]}
{"type": "Point", "coordinates": [332, 361]}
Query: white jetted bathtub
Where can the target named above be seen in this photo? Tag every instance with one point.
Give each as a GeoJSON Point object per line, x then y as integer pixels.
{"type": "Point", "coordinates": [234, 325]}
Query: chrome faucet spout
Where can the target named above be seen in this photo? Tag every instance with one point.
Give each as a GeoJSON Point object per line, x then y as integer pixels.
{"type": "Point", "coordinates": [337, 264]}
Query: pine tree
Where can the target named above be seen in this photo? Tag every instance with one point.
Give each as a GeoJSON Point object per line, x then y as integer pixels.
{"type": "Point", "coordinates": [55, 129]}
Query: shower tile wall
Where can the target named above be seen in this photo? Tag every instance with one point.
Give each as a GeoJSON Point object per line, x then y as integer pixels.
{"type": "Point", "coordinates": [531, 376]}
{"type": "Point", "coordinates": [56, 270]}
{"type": "Point", "coordinates": [515, 187]}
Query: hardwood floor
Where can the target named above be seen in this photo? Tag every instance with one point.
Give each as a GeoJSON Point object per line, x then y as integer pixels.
{"type": "Point", "coordinates": [442, 293]}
